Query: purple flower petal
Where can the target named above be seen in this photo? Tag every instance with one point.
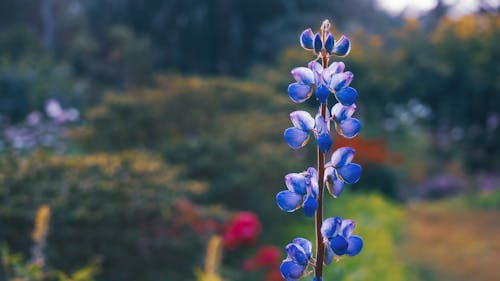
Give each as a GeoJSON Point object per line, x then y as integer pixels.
{"type": "Point", "coordinates": [302, 120]}
{"type": "Point", "coordinates": [296, 138]}
{"type": "Point", "coordinates": [355, 245]}
{"type": "Point", "coordinates": [328, 254]}
{"type": "Point", "coordinates": [329, 42]}
{"type": "Point", "coordinates": [310, 205]}
{"type": "Point", "coordinates": [342, 156]}
{"type": "Point", "coordinates": [322, 93]}
{"type": "Point", "coordinates": [339, 245]}
{"type": "Point", "coordinates": [347, 96]}
{"type": "Point", "coordinates": [350, 173]}
{"type": "Point", "coordinates": [307, 39]}
{"type": "Point", "coordinates": [334, 185]}
{"type": "Point", "coordinates": [318, 44]}
{"type": "Point", "coordinates": [291, 271]}
{"type": "Point", "coordinates": [288, 201]}
{"type": "Point", "coordinates": [317, 69]}
{"type": "Point", "coordinates": [322, 124]}
{"type": "Point", "coordinates": [325, 142]}
{"type": "Point", "coordinates": [342, 46]}
{"type": "Point", "coordinates": [350, 127]}
{"type": "Point", "coordinates": [303, 75]}
{"type": "Point", "coordinates": [296, 182]}
{"type": "Point", "coordinates": [313, 181]}
{"type": "Point", "coordinates": [299, 92]}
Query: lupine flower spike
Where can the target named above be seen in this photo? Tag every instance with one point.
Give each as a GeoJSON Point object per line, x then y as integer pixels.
{"type": "Point", "coordinates": [304, 190]}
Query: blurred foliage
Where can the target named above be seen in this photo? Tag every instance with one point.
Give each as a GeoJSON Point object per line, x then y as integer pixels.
{"type": "Point", "coordinates": [117, 207]}
{"type": "Point", "coordinates": [19, 270]}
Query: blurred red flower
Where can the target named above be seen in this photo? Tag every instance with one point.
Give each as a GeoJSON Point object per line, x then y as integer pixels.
{"type": "Point", "coordinates": [266, 257]}
{"type": "Point", "coordinates": [242, 230]}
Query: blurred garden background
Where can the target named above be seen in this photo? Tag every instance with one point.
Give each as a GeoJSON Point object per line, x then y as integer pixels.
{"type": "Point", "coordinates": [133, 132]}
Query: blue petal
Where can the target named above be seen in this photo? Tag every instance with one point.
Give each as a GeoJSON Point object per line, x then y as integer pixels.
{"type": "Point", "coordinates": [338, 186]}
{"type": "Point", "coordinates": [316, 279]}
{"type": "Point", "coordinates": [347, 96]}
{"type": "Point", "coordinates": [328, 254]}
{"type": "Point", "coordinates": [329, 43]}
{"type": "Point", "coordinates": [350, 127]}
{"type": "Point", "coordinates": [310, 205]}
{"type": "Point", "coordinates": [341, 80]}
{"type": "Point", "coordinates": [291, 271]}
{"type": "Point", "coordinates": [330, 226]}
{"type": "Point", "coordinates": [322, 93]}
{"type": "Point", "coordinates": [318, 44]}
{"type": "Point", "coordinates": [355, 245]}
{"type": "Point", "coordinates": [302, 120]}
{"type": "Point", "coordinates": [299, 92]}
{"type": "Point", "coordinates": [342, 156]}
{"type": "Point", "coordinates": [341, 112]}
{"type": "Point", "coordinates": [342, 46]}
{"type": "Point", "coordinates": [325, 142]}
{"type": "Point", "coordinates": [305, 244]}
{"type": "Point", "coordinates": [350, 173]}
{"type": "Point", "coordinates": [296, 138]}
{"type": "Point", "coordinates": [347, 227]}
{"type": "Point", "coordinates": [323, 124]}
{"type": "Point", "coordinates": [303, 75]}
{"type": "Point", "coordinates": [339, 245]}
{"type": "Point", "coordinates": [288, 201]}
{"type": "Point", "coordinates": [306, 39]}
{"type": "Point", "coordinates": [296, 253]}
{"type": "Point", "coordinates": [296, 182]}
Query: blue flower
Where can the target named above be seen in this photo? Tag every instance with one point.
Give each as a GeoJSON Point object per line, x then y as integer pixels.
{"type": "Point", "coordinates": [322, 82]}
{"type": "Point", "coordinates": [298, 255]}
{"type": "Point", "coordinates": [316, 42]}
{"type": "Point", "coordinates": [302, 192]}
{"type": "Point", "coordinates": [303, 123]}
{"type": "Point", "coordinates": [338, 238]}
{"type": "Point", "coordinates": [346, 125]}
{"type": "Point", "coordinates": [340, 170]}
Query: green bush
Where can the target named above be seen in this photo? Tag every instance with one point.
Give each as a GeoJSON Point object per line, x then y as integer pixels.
{"type": "Point", "coordinates": [117, 208]}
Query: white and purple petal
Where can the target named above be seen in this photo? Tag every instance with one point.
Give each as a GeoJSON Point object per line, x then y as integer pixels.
{"type": "Point", "coordinates": [307, 39]}
{"type": "Point", "coordinates": [305, 244]}
{"type": "Point", "coordinates": [347, 227]}
{"type": "Point", "coordinates": [334, 185]}
{"type": "Point", "coordinates": [302, 120]}
{"type": "Point", "coordinates": [328, 254]}
{"type": "Point", "coordinates": [347, 96]}
{"type": "Point", "coordinates": [350, 127]}
{"type": "Point", "coordinates": [341, 80]}
{"type": "Point", "coordinates": [330, 227]}
{"type": "Point", "coordinates": [296, 138]}
{"type": "Point", "coordinates": [349, 173]}
{"type": "Point", "coordinates": [317, 69]}
{"type": "Point", "coordinates": [342, 46]}
{"type": "Point", "coordinates": [355, 245]}
{"type": "Point", "coordinates": [296, 182]}
{"type": "Point", "coordinates": [313, 181]}
{"type": "Point", "coordinates": [322, 124]}
{"type": "Point", "coordinates": [303, 75]}
{"type": "Point", "coordinates": [288, 201]}
{"type": "Point", "coordinates": [341, 112]}
{"type": "Point", "coordinates": [299, 92]}
{"type": "Point", "coordinates": [296, 253]}
{"type": "Point", "coordinates": [342, 156]}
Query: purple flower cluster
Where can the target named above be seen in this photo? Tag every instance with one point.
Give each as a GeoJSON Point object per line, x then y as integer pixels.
{"type": "Point", "coordinates": [305, 189]}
